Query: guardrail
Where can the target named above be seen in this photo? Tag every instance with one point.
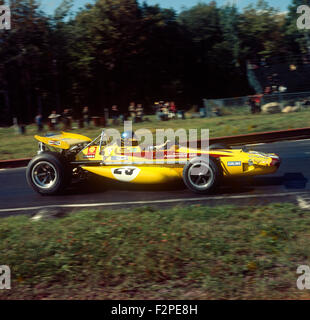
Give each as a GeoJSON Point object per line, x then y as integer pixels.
{"type": "Point", "coordinates": [261, 137]}
{"type": "Point", "coordinates": [264, 137]}
{"type": "Point", "coordinates": [15, 163]}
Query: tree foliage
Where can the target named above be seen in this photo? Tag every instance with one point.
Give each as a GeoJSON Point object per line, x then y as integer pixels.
{"type": "Point", "coordinates": [115, 51]}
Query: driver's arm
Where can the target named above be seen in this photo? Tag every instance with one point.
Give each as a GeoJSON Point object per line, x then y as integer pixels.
{"type": "Point", "coordinates": [159, 147]}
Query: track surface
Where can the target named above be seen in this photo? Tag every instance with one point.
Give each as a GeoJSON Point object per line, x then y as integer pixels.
{"type": "Point", "coordinates": [290, 182]}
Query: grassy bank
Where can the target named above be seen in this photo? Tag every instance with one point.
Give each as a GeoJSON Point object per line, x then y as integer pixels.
{"type": "Point", "coordinates": [14, 146]}
{"type": "Point", "coordinates": [192, 252]}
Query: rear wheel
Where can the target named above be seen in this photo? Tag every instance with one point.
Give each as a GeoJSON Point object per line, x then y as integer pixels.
{"type": "Point", "coordinates": [201, 176]}
{"type": "Point", "coordinates": [47, 173]}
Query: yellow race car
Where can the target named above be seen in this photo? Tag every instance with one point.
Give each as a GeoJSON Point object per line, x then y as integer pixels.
{"type": "Point", "coordinates": [64, 156]}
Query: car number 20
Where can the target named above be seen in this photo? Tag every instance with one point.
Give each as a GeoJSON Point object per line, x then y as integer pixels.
{"type": "Point", "coordinates": [125, 173]}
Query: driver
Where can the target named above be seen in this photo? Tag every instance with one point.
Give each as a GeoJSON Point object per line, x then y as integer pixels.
{"type": "Point", "coordinates": [129, 138]}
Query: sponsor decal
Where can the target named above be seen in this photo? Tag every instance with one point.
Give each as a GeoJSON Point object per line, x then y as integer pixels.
{"type": "Point", "coordinates": [233, 163]}
{"type": "Point", "coordinates": [91, 152]}
{"type": "Point", "coordinates": [54, 142]}
{"type": "Point", "coordinates": [125, 173]}
{"type": "Point", "coordinates": [176, 155]}
{"type": "Point", "coordinates": [119, 158]}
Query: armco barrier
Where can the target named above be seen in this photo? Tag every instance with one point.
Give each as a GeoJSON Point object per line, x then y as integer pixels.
{"type": "Point", "coordinates": [264, 137]}
{"type": "Point", "coordinates": [14, 163]}
{"type": "Point", "coordinates": [251, 138]}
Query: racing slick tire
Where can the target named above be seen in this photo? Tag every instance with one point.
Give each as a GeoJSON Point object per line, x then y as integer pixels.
{"type": "Point", "coordinates": [217, 146]}
{"type": "Point", "coordinates": [47, 173]}
{"type": "Point", "coordinates": [202, 176]}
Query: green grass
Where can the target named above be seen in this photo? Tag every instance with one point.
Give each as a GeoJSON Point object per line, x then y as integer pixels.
{"type": "Point", "coordinates": [14, 146]}
{"type": "Point", "coordinates": [195, 252]}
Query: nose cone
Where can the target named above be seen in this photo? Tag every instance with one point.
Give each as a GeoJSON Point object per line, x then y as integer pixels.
{"type": "Point", "coordinates": [276, 161]}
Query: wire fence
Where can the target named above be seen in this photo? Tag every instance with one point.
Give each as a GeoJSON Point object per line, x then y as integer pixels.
{"type": "Point", "coordinates": [240, 104]}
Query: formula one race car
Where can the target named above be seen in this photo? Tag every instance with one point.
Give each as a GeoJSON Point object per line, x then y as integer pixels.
{"type": "Point", "coordinates": [50, 172]}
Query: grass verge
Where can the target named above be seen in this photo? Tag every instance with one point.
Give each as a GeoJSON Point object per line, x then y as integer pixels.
{"type": "Point", "coordinates": [14, 146]}
{"type": "Point", "coordinates": [194, 252]}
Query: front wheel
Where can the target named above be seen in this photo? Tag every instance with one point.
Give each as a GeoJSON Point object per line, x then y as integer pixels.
{"type": "Point", "coordinates": [47, 173]}
{"type": "Point", "coordinates": [201, 175]}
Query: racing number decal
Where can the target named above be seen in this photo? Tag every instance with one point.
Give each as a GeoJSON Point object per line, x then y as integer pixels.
{"type": "Point", "coordinates": [125, 173]}
{"type": "Point", "coordinates": [128, 172]}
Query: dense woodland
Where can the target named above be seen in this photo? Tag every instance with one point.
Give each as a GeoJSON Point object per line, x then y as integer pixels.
{"type": "Point", "coordinates": [117, 51]}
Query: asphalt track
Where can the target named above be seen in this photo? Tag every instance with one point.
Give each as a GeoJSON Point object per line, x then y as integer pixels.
{"type": "Point", "coordinates": [290, 183]}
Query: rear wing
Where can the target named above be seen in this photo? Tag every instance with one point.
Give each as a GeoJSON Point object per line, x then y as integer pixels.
{"type": "Point", "coordinates": [64, 140]}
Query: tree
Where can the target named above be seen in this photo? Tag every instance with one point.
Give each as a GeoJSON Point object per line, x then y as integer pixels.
{"type": "Point", "coordinates": [23, 57]}
{"type": "Point", "coordinates": [103, 46]}
{"type": "Point", "coordinates": [214, 67]}
{"type": "Point", "coordinates": [297, 40]}
{"type": "Point", "coordinates": [162, 54]}
{"type": "Point", "coordinates": [114, 51]}
{"type": "Point", "coordinates": [261, 29]}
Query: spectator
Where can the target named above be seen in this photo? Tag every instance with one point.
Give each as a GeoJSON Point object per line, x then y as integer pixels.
{"type": "Point", "coordinates": [21, 127]}
{"type": "Point", "coordinates": [106, 116]}
{"type": "Point", "coordinates": [282, 88]}
{"type": "Point", "coordinates": [252, 104]}
{"type": "Point", "coordinates": [202, 112]}
{"type": "Point", "coordinates": [258, 99]}
{"type": "Point", "coordinates": [165, 111]}
{"type": "Point", "coordinates": [115, 114]}
{"type": "Point", "coordinates": [86, 117]}
{"type": "Point", "coordinates": [172, 110]}
{"type": "Point", "coordinates": [267, 90]}
{"type": "Point", "coordinates": [132, 111]}
{"type": "Point", "coordinates": [122, 117]}
{"type": "Point", "coordinates": [217, 111]}
{"type": "Point", "coordinates": [66, 119]}
{"type": "Point", "coordinates": [54, 120]}
{"type": "Point", "coordinates": [159, 106]}
{"type": "Point", "coordinates": [173, 107]}
{"type": "Point", "coordinates": [38, 120]}
{"type": "Point", "coordinates": [139, 111]}
{"type": "Point", "coordinates": [70, 117]}
{"type": "Point", "coordinates": [155, 107]}
{"type": "Point", "coordinates": [306, 103]}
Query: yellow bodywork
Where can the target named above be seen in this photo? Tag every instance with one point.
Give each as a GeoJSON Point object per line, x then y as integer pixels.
{"type": "Point", "coordinates": [64, 140]}
{"type": "Point", "coordinates": [138, 174]}
{"type": "Point", "coordinates": [234, 162]}
{"type": "Point", "coordinates": [137, 165]}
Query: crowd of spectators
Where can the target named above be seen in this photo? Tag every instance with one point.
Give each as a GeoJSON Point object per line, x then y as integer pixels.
{"type": "Point", "coordinates": [136, 112]}
{"type": "Point", "coordinates": [166, 110]}
{"type": "Point", "coordinates": [56, 121]}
